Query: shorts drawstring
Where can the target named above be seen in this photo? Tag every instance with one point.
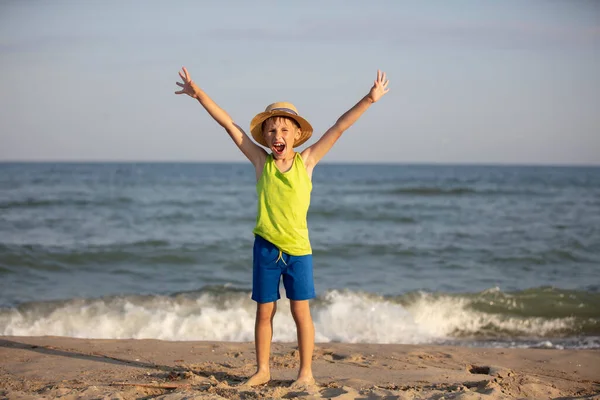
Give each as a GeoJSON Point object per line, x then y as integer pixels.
{"type": "Point", "coordinates": [280, 257]}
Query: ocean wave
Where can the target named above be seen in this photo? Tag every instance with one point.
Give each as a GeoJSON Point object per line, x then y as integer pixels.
{"type": "Point", "coordinates": [434, 191]}
{"type": "Point", "coordinates": [52, 258]}
{"type": "Point", "coordinates": [360, 215]}
{"type": "Point", "coordinates": [222, 313]}
{"type": "Point", "coordinates": [66, 202]}
{"type": "Point", "coordinates": [572, 253]}
{"type": "Point", "coordinates": [442, 189]}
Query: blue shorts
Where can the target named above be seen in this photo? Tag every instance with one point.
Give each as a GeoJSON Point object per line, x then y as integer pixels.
{"type": "Point", "coordinates": [269, 264]}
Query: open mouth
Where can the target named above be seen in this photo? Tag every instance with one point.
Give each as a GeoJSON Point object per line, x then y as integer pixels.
{"type": "Point", "coordinates": [279, 148]}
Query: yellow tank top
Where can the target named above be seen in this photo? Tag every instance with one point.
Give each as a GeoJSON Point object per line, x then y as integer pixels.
{"type": "Point", "coordinates": [283, 200]}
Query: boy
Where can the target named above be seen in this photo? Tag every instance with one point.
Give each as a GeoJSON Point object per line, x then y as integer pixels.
{"type": "Point", "coordinates": [281, 245]}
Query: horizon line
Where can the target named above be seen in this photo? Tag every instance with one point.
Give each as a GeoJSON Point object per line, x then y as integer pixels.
{"type": "Point", "coordinates": [333, 162]}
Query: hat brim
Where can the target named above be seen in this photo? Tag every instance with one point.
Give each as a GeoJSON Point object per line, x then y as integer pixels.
{"type": "Point", "coordinates": [306, 129]}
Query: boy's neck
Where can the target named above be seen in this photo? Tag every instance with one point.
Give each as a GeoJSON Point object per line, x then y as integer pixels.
{"type": "Point", "coordinates": [284, 164]}
{"type": "Point", "coordinates": [285, 158]}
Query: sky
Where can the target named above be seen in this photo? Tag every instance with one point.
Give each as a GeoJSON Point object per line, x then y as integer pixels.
{"type": "Point", "coordinates": [504, 82]}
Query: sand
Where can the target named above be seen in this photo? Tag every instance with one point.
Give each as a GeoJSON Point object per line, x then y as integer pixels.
{"type": "Point", "coordinates": [67, 368]}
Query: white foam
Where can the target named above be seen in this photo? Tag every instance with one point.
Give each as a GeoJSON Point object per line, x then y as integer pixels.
{"type": "Point", "coordinates": [448, 316]}
{"type": "Point", "coordinates": [352, 317]}
{"type": "Point", "coordinates": [340, 316]}
{"type": "Point", "coordinates": [159, 318]}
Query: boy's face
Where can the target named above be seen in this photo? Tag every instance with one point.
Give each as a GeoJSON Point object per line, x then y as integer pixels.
{"type": "Point", "coordinates": [280, 134]}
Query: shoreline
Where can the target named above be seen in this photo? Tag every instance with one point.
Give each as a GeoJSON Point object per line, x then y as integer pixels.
{"type": "Point", "coordinates": [69, 368]}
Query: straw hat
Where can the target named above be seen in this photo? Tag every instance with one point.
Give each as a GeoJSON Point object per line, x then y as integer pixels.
{"type": "Point", "coordinates": [281, 109]}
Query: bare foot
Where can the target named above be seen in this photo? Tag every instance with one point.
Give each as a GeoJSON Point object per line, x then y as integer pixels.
{"type": "Point", "coordinates": [257, 379]}
{"type": "Point", "coordinates": [305, 383]}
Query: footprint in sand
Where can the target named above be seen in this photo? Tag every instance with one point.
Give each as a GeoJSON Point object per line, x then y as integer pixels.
{"type": "Point", "coordinates": [342, 393]}
{"type": "Point", "coordinates": [354, 358]}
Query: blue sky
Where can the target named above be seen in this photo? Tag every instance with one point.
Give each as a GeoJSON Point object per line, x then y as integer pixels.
{"type": "Point", "coordinates": [471, 81]}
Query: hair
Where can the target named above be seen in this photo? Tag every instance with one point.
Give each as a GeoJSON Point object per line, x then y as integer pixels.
{"type": "Point", "coordinates": [262, 127]}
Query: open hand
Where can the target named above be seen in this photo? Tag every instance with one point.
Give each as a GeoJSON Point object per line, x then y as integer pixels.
{"type": "Point", "coordinates": [379, 87]}
{"type": "Point", "coordinates": [188, 86]}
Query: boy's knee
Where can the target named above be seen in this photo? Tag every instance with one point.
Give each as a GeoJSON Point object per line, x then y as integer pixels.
{"type": "Point", "coordinates": [266, 311]}
{"type": "Point", "coordinates": [300, 309]}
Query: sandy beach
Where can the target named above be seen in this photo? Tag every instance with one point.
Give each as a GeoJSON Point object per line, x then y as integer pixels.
{"type": "Point", "coordinates": [67, 368]}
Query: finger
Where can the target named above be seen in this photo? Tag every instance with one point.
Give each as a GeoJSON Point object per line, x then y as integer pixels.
{"type": "Point", "coordinates": [378, 74]}
{"type": "Point", "coordinates": [179, 84]}
{"type": "Point", "coordinates": [183, 77]}
{"type": "Point", "coordinates": [187, 75]}
{"type": "Point", "coordinates": [386, 83]}
{"type": "Point", "coordinates": [180, 92]}
{"type": "Point", "coordinates": [383, 77]}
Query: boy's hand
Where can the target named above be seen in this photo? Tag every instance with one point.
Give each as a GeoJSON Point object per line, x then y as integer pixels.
{"type": "Point", "coordinates": [188, 86]}
{"type": "Point", "coordinates": [379, 87]}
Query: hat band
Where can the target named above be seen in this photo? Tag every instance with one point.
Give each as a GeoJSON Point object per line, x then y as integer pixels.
{"type": "Point", "coordinates": [287, 110]}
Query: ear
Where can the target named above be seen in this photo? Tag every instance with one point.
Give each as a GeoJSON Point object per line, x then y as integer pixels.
{"type": "Point", "coordinates": [298, 134]}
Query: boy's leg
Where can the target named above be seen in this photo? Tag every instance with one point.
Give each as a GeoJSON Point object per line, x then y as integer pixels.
{"type": "Point", "coordinates": [299, 286]}
{"type": "Point", "coordinates": [306, 339]}
{"type": "Point", "coordinates": [266, 274]}
{"type": "Point", "coordinates": [263, 334]}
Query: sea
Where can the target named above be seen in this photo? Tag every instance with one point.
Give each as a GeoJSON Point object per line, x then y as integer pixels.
{"type": "Point", "coordinates": [467, 255]}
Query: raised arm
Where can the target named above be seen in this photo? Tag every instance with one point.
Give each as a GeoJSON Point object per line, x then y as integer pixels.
{"type": "Point", "coordinates": [251, 150]}
{"type": "Point", "coordinates": [313, 154]}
